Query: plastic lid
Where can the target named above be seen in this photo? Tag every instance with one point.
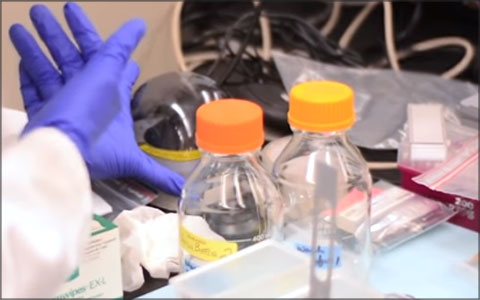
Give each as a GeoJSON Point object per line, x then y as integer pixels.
{"type": "Point", "coordinates": [230, 126]}
{"type": "Point", "coordinates": [321, 106]}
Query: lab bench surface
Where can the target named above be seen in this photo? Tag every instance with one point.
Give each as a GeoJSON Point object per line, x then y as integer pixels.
{"type": "Point", "coordinates": [429, 266]}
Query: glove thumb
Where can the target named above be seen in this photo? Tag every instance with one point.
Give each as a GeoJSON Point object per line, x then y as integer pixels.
{"type": "Point", "coordinates": [148, 170]}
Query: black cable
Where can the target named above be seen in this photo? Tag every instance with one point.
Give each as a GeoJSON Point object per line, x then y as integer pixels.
{"type": "Point", "coordinates": [412, 24]}
{"type": "Point", "coordinates": [381, 46]}
{"type": "Point", "coordinates": [330, 48]}
{"type": "Point", "coordinates": [291, 37]}
{"type": "Point", "coordinates": [215, 64]}
{"type": "Point", "coordinates": [243, 46]}
{"type": "Point", "coordinates": [288, 32]}
{"type": "Point", "coordinates": [210, 14]}
{"type": "Point", "coordinates": [225, 44]}
{"type": "Point", "coordinates": [322, 17]}
{"type": "Point", "coordinates": [202, 38]}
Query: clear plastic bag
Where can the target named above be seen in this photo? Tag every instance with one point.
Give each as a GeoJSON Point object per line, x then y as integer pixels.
{"type": "Point", "coordinates": [381, 96]}
{"type": "Point", "coordinates": [457, 175]}
{"type": "Point", "coordinates": [123, 194]}
{"type": "Point", "coordinates": [399, 215]}
{"type": "Point", "coordinates": [456, 136]}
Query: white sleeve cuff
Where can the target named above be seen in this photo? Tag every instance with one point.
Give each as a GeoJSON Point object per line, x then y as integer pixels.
{"type": "Point", "coordinates": [46, 213]}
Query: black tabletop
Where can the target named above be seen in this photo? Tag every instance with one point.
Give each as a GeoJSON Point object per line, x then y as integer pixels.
{"type": "Point", "coordinates": [150, 285]}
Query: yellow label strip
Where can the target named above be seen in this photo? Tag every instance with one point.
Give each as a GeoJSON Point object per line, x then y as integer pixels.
{"type": "Point", "coordinates": [205, 249]}
{"type": "Point", "coordinates": [183, 155]}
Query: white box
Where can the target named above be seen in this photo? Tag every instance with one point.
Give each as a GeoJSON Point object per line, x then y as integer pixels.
{"type": "Point", "coordinates": [100, 273]}
{"type": "Point", "coordinates": [426, 132]}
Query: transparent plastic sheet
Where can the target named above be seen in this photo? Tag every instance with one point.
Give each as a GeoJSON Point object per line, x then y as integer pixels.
{"type": "Point", "coordinates": [123, 194]}
{"type": "Point", "coordinates": [457, 175]}
{"type": "Point", "coordinates": [163, 110]}
{"type": "Point", "coordinates": [164, 107]}
{"type": "Point", "coordinates": [399, 215]}
{"type": "Point", "coordinates": [382, 96]}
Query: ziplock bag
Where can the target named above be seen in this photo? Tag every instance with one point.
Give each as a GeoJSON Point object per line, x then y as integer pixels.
{"type": "Point", "coordinates": [452, 193]}
{"type": "Point", "coordinates": [399, 215]}
{"type": "Point", "coordinates": [123, 194]}
{"type": "Point", "coordinates": [381, 96]}
{"type": "Point", "coordinates": [457, 175]}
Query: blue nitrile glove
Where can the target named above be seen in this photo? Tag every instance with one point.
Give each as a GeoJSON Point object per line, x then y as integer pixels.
{"type": "Point", "coordinates": [49, 95]}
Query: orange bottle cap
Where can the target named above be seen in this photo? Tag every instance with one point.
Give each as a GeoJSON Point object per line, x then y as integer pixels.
{"type": "Point", "coordinates": [321, 106]}
{"type": "Point", "coordinates": [230, 126]}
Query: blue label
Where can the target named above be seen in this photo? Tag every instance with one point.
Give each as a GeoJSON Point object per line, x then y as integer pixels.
{"type": "Point", "coordinates": [322, 253]}
{"type": "Point", "coordinates": [189, 265]}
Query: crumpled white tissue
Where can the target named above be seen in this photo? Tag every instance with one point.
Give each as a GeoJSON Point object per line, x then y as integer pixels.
{"type": "Point", "coordinates": [148, 238]}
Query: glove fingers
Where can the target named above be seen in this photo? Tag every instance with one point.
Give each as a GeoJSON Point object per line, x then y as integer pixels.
{"type": "Point", "coordinates": [31, 99]}
{"type": "Point", "coordinates": [83, 30]}
{"type": "Point", "coordinates": [63, 51]}
{"type": "Point", "coordinates": [147, 169]}
{"type": "Point", "coordinates": [116, 51]}
{"type": "Point", "coordinates": [46, 78]}
{"type": "Point", "coordinates": [129, 77]}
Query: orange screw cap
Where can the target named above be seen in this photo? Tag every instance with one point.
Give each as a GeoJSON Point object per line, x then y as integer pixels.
{"type": "Point", "coordinates": [321, 106]}
{"type": "Point", "coordinates": [230, 126]}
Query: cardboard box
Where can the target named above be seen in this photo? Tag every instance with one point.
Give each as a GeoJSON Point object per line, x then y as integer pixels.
{"type": "Point", "coordinates": [99, 274]}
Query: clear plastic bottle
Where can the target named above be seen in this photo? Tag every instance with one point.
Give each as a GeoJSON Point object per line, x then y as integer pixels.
{"type": "Point", "coordinates": [229, 202]}
{"type": "Point", "coordinates": [319, 115]}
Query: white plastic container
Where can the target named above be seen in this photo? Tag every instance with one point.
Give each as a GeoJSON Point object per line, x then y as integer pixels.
{"type": "Point", "coordinates": [268, 269]}
{"type": "Point", "coordinates": [265, 270]}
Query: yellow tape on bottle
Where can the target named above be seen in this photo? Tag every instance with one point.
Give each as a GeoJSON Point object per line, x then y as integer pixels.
{"type": "Point", "coordinates": [183, 155]}
{"type": "Point", "coordinates": [205, 249]}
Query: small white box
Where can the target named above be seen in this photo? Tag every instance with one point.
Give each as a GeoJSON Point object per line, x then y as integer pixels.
{"type": "Point", "coordinates": [426, 132]}
{"type": "Point", "coordinates": [100, 273]}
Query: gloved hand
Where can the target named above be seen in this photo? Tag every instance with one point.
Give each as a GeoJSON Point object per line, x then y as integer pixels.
{"type": "Point", "coordinates": [93, 88]}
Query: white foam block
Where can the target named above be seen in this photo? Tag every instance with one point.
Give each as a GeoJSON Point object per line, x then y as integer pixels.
{"type": "Point", "coordinates": [426, 132]}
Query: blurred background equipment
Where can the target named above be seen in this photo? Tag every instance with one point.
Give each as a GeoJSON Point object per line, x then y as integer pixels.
{"type": "Point", "coordinates": [233, 42]}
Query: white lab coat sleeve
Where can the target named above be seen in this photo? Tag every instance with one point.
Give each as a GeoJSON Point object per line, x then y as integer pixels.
{"type": "Point", "coordinates": [46, 213]}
